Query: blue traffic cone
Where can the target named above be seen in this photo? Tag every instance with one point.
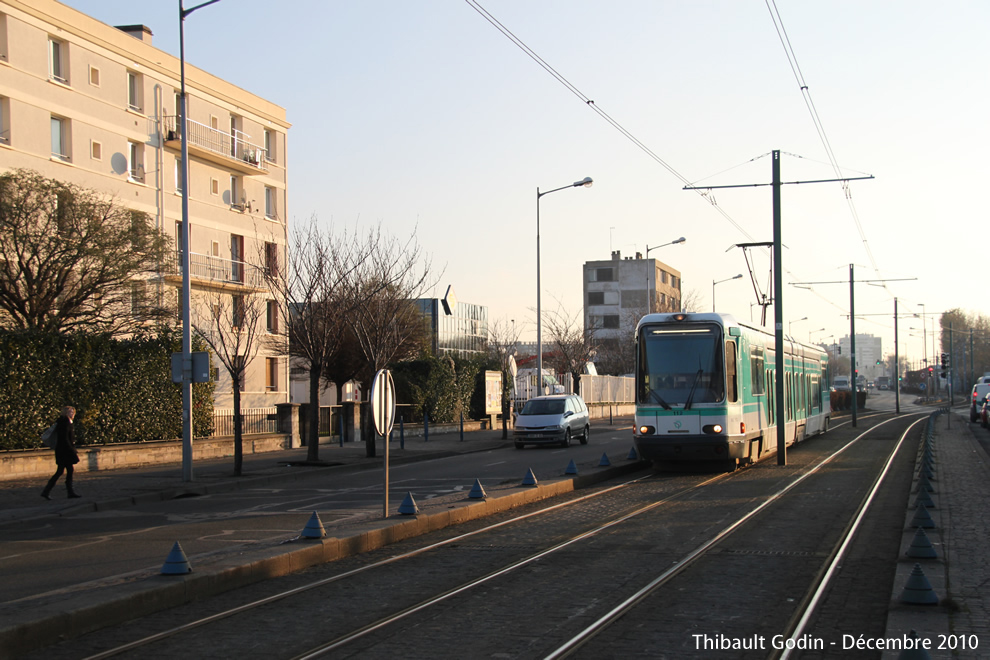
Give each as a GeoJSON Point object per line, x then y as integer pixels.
{"type": "Point", "coordinates": [632, 456]}
{"type": "Point", "coordinates": [314, 528]}
{"type": "Point", "coordinates": [408, 506]}
{"type": "Point", "coordinates": [176, 562]}
{"type": "Point", "coordinates": [918, 590]}
{"type": "Point", "coordinates": [478, 492]}
{"type": "Point", "coordinates": [529, 479]}
{"type": "Point", "coordinates": [571, 468]}
{"type": "Point", "coordinates": [604, 462]}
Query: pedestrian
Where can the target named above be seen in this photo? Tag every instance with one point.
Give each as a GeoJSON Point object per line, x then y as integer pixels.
{"type": "Point", "coordinates": [66, 455]}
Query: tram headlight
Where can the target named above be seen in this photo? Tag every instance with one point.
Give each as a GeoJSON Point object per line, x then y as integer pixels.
{"type": "Point", "coordinates": [713, 429]}
{"type": "Point", "coordinates": [647, 430]}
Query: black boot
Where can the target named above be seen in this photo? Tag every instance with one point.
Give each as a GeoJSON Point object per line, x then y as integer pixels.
{"type": "Point", "coordinates": [46, 493]}
{"type": "Point", "coordinates": [73, 493]}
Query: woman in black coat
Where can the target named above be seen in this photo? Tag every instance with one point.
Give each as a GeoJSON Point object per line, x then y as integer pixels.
{"type": "Point", "coordinates": [66, 455]}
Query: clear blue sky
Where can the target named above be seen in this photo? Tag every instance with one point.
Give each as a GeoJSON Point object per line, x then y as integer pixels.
{"type": "Point", "coordinates": [421, 114]}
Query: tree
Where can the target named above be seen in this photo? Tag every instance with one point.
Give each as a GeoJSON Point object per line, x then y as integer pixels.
{"type": "Point", "coordinates": [502, 341]}
{"type": "Point", "coordinates": [72, 259]}
{"type": "Point", "coordinates": [385, 320]}
{"type": "Point", "coordinates": [316, 285]}
{"type": "Point", "coordinates": [230, 325]}
{"type": "Point", "coordinates": [571, 346]}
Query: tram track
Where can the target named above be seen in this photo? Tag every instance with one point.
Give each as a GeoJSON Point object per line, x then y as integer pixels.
{"type": "Point", "coordinates": [672, 500]}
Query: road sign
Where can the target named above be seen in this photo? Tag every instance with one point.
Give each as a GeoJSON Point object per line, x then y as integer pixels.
{"type": "Point", "coordinates": [383, 402]}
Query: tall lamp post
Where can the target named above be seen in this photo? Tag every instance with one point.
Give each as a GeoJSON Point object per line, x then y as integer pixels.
{"type": "Point", "coordinates": [187, 421]}
{"type": "Point", "coordinates": [586, 183]}
{"type": "Point", "coordinates": [646, 257]}
{"type": "Point", "coordinates": [813, 332]}
{"type": "Point", "coordinates": [790, 323]}
{"type": "Point", "coordinates": [734, 277]}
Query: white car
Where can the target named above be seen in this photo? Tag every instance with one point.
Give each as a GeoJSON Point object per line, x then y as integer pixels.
{"type": "Point", "coordinates": [554, 419]}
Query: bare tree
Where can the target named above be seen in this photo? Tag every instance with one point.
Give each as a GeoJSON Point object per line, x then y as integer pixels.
{"type": "Point", "coordinates": [385, 319]}
{"type": "Point", "coordinates": [570, 344]}
{"type": "Point", "coordinates": [230, 325]}
{"type": "Point", "coordinates": [316, 287]}
{"type": "Point", "coordinates": [72, 259]}
{"type": "Point", "coordinates": [502, 341]}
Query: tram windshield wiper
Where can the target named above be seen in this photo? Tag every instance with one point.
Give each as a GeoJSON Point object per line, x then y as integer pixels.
{"type": "Point", "coordinates": [666, 406]}
{"type": "Point", "coordinates": [694, 387]}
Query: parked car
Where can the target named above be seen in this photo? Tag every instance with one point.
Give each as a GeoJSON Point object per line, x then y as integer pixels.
{"type": "Point", "coordinates": [554, 419]}
{"type": "Point", "coordinates": [984, 412]}
{"type": "Point", "coordinates": [980, 391]}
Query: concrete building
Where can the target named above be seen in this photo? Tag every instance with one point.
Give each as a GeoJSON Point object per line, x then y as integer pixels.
{"type": "Point", "coordinates": [869, 350]}
{"type": "Point", "coordinates": [97, 106]}
{"type": "Point", "coordinates": [616, 293]}
{"type": "Point", "coordinates": [464, 331]}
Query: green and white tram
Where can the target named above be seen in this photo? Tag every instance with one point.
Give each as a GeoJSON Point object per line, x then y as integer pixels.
{"type": "Point", "coordinates": [705, 389]}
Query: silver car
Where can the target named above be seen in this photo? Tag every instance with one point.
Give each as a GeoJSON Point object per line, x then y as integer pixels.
{"type": "Point", "coordinates": [554, 419]}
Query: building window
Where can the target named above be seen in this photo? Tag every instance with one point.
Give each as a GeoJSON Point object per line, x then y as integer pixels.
{"type": "Point", "coordinates": [137, 298]}
{"type": "Point", "coordinates": [134, 89]}
{"type": "Point", "coordinates": [272, 317]}
{"type": "Point", "coordinates": [271, 374]}
{"type": "Point", "coordinates": [596, 297]}
{"type": "Point", "coordinates": [94, 76]}
{"type": "Point", "coordinates": [135, 161]}
{"type": "Point", "coordinates": [271, 259]}
{"type": "Point", "coordinates": [602, 275]}
{"type": "Point", "coordinates": [237, 197]}
{"type": "Point", "coordinates": [60, 138]}
{"type": "Point", "coordinates": [236, 257]}
{"type": "Point", "coordinates": [58, 64]}
{"type": "Point", "coordinates": [215, 248]}
{"type": "Point", "coordinates": [178, 175]}
{"type": "Point", "coordinates": [4, 119]}
{"type": "Point", "coordinates": [3, 37]}
{"type": "Point", "coordinates": [270, 209]}
{"type": "Point", "coordinates": [269, 146]}
{"type": "Point", "coordinates": [610, 321]}
{"type": "Point", "coordinates": [95, 150]}
{"type": "Point", "coordinates": [237, 312]}
{"type": "Point", "coordinates": [215, 187]}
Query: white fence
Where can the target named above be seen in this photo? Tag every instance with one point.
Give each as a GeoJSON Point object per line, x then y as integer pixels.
{"type": "Point", "coordinates": [608, 389]}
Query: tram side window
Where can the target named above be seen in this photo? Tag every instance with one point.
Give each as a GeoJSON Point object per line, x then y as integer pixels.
{"type": "Point", "coordinates": [731, 380]}
{"type": "Point", "coordinates": [756, 369]}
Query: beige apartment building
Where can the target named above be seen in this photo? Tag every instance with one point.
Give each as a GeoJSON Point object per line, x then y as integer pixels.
{"type": "Point", "coordinates": [97, 106]}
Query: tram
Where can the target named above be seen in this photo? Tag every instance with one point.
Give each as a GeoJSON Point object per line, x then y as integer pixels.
{"type": "Point", "coordinates": [706, 390]}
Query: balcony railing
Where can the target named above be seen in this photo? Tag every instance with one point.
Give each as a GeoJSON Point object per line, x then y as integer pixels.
{"type": "Point", "coordinates": [204, 267]}
{"type": "Point", "coordinates": [219, 143]}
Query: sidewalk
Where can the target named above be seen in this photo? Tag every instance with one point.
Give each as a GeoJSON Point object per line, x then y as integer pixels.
{"type": "Point", "coordinates": [26, 625]}
{"type": "Point", "coordinates": [114, 489]}
{"type": "Point", "coordinates": [960, 574]}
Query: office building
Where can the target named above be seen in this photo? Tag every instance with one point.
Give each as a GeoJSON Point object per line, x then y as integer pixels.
{"type": "Point", "coordinates": [616, 293]}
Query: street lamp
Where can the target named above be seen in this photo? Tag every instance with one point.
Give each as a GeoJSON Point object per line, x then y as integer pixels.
{"type": "Point", "coordinates": [586, 183]}
{"type": "Point", "coordinates": [790, 323]}
{"type": "Point", "coordinates": [734, 277]}
{"type": "Point", "coordinates": [649, 298]}
{"type": "Point", "coordinates": [187, 420]}
{"type": "Point", "coordinates": [813, 332]}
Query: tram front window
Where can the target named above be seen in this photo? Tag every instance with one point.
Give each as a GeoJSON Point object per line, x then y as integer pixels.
{"type": "Point", "coordinates": [680, 366]}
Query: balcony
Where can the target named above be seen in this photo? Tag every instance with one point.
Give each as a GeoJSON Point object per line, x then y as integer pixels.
{"type": "Point", "coordinates": [215, 273]}
{"type": "Point", "coordinates": [229, 151]}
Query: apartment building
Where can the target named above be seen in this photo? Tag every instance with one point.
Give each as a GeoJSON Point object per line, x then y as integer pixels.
{"type": "Point", "coordinates": [618, 292]}
{"type": "Point", "coordinates": [98, 106]}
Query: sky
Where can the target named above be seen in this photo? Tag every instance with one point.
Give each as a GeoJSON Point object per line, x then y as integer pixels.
{"type": "Point", "coordinates": [423, 117]}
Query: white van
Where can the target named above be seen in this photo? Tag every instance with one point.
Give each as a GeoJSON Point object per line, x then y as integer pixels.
{"type": "Point", "coordinates": [841, 384]}
{"type": "Point", "coordinates": [980, 391]}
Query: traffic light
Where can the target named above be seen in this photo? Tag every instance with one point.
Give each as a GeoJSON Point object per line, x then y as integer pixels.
{"type": "Point", "coordinates": [878, 363]}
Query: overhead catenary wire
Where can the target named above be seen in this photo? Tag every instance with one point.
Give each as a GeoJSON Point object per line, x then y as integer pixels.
{"type": "Point", "coordinates": [590, 103]}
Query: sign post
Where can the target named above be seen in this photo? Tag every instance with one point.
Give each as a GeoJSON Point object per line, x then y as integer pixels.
{"type": "Point", "coordinates": [383, 413]}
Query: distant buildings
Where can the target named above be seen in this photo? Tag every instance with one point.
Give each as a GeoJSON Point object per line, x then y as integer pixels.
{"type": "Point", "coordinates": [618, 292]}
{"type": "Point", "coordinates": [98, 106]}
{"type": "Point", "coordinates": [869, 350]}
{"type": "Point", "coordinates": [464, 331]}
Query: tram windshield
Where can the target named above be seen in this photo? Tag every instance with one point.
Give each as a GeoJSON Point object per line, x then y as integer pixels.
{"type": "Point", "coordinates": [680, 365]}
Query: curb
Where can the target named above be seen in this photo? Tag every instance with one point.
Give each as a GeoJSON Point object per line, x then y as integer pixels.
{"type": "Point", "coordinates": [86, 612]}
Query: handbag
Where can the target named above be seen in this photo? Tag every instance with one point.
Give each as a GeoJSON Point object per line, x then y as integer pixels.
{"type": "Point", "coordinates": [48, 437]}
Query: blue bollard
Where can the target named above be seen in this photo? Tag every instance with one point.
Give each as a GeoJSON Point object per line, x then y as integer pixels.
{"type": "Point", "coordinates": [402, 434]}
{"type": "Point", "coordinates": [341, 429]}
{"type": "Point", "coordinates": [462, 426]}
{"type": "Point", "coordinates": [426, 427]}
{"type": "Point", "coordinates": [610, 415]}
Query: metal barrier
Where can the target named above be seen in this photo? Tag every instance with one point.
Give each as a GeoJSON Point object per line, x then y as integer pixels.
{"type": "Point", "coordinates": [253, 420]}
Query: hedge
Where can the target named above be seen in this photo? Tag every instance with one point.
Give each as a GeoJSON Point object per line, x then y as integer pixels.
{"type": "Point", "coordinates": [121, 389]}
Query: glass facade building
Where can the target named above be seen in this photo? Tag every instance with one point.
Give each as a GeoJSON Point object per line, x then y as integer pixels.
{"type": "Point", "coordinates": [464, 331]}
